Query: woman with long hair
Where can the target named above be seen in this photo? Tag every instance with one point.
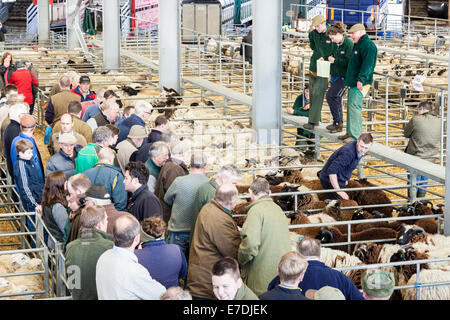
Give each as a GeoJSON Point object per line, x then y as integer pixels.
{"type": "Point", "coordinates": [339, 58]}
{"type": "Point", "coordinates": [54, 207]}
{"type": "Point", "coordinates": [7, 67]}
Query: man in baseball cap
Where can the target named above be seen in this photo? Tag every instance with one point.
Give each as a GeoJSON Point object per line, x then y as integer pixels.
{"type": "Point", "coordinates": [322, 47]}
{"type": "Point", "coordinates": [83, 89]}
{"type": "Point", "coordinates": [377, 284]}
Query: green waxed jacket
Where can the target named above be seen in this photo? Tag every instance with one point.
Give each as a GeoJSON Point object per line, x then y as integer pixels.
{"type": "Point", "coordinates": [244, 293]}
{"type": "Point", "coordinates": [362, 62]}
{"type": "Point", "coordinates": [321, 45]}
{"type": "Point", "coordinates": [341, 53]}
{"type": "Point", "coordinates": [83, 253]}
{"type": "Point", "coordinates": [204, 195]}
{"type": "Point", "coordinates": [265, 239]}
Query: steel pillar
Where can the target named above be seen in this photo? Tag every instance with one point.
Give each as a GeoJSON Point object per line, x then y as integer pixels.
{"type": "Point", "coordinates": [44, 21]}
{"type": "Point", "coordinates": [73, 16]}
{"type": "Point", "coordinates": [169, 44]}
{"type": "Point", "coordinates": [266, 109]}
{"type": "Point", "coordinates": [447, 169]}
{"type": "Point", "coordinates": [111, 35]}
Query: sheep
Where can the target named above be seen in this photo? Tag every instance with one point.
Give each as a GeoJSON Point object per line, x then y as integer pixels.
{"type": "Point", "coordinates": [11, 262]}
{"type": "Point", "coordinates": [334, 235]}
{"type": "Point", "coordinates": [335, 208]}
{"type": "Point", "coordinates": [13, 289]}
{"type": "Point", "coordinates": [368, 197]}
{"type": "Point", "coordinates": [301, 218]}
{"type": "Point", "coordinates": [240, 209]}
{"type": "Point", "coordinates": [339, 259]}
{"type": "Point", "coordinates": [414, 233]}
{"type": "Point", "coordinates": [429, 293]}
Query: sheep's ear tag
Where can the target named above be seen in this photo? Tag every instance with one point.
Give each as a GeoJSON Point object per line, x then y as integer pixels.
{"type": "Point", "coordinates": [299, 238]}
{"type": "Point", "coordinates": [401, 255]}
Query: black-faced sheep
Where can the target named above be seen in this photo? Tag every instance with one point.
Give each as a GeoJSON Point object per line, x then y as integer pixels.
{"type": "Point", "coordinates": [334, 235]}
{"type": "Point", "coordinates": [370, 197]}
{"type": "Point", "coordinates": [301, 218]}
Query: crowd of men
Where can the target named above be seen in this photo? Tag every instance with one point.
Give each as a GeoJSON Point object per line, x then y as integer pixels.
{"type": "Point", "coordinates": [138, 217]}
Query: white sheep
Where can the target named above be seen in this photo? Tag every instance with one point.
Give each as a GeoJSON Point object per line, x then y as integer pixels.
{"type": "Point", "coordinates": [429, 293]}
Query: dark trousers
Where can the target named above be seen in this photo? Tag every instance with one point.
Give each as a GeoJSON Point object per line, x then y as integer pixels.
{"type": "Point", "coordinates": [317, 88]}
{"type": "Point", "coordinates": [334, 99]}
{"type": "Point", "coordinates": [329, 195]}
{"type": "Point", "coordinates": [304, 143]}
{"type": "Point", "coordinates": [31, 108]}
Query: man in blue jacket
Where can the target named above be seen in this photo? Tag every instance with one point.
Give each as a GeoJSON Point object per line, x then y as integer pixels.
{"type": "Point", "coordinates": [339, 167]}
{"type": "Point", "coordinates": [141, 114]}
{"type": "Point", "coordinates": [110, 176]}
{"type": "Point", "coordinates": [319, 275]}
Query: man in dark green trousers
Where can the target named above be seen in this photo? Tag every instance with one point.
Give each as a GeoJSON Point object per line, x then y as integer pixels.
{"type": "Point", "coordinates": [358, 78]}
{"type": "Point", "coordinates": [322, 48]}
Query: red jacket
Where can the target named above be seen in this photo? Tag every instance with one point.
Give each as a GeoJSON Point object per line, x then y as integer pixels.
{"type": "Point", "coordinates": [22, 79]}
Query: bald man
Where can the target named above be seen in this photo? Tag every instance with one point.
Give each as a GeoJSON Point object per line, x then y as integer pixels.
{"type": "Point", "coordinates": [58, 103]}
{"type": "Point", "coordinates": [67, 127]}
{"type": "Point", "coordinates": [111, 280]}
{"type": "Point", "coordinates": [215, 236]}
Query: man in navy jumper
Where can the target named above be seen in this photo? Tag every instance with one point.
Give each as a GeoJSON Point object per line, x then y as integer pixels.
{"type": "Point", "coordinates": [339, 167]}
{"type": "Point", "coordinates": [318, 275]}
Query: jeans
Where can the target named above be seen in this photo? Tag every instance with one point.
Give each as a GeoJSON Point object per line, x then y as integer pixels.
{"type": "Point", "coordinates": [421, 181]}
{"type": "Point", "coordinates": [181, 239]}
{"type": "Point", "coordinates": [334, 99]}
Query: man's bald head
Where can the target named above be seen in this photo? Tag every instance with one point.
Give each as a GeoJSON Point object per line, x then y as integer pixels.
{"type": "Point", "coordinates": [226, 195]}
{"type": "Point", "coordinates": [66, 123]}
{"type": "Point", "coordinates": [125, 230]}
{"type": "Point", "coordinates": [64, 82]}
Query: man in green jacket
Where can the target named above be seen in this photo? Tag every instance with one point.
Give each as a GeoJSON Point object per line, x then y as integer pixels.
{"type": "Point", "coordinates": [358, 78]}
{"type": "Point", "coordinates": [301, 108]}
{"type": "Point", "coordinates": [227, 282]}
{"type": "Point", "coordinates": [424, 133]}
{"type": "Point", "coordinates": [88, 156]}
{"type": "Point", "coordinates": [322, 47]}
{"type": "Point", "coordinates": [227, 174]}
{"type": "Point", "coordinates": [265, 238]}
{"type": "Point", "coordinates": [83, 253]}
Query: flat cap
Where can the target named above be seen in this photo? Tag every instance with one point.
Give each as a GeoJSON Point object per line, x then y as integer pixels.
{"type": "Point", "coordinates": [137, 132]}
{"type": "Point", "coordinates": [317, 20]}
{"type": "Point", "coordinates": [96, 191]}
{"type": "Point", "coordinates": [356, 27]}
{"type": "Point", "coordinates": [27, 121]}
{"type": "Point", "coordinates": [378, 283]}
{"type": "Point", "coordinates": [325, 293]}
{"type": "Point", "coordinates": [67, 138]}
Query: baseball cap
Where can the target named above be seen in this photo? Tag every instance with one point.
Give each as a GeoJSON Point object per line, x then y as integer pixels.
{"type": "Point", "coordinates": [96, 191]}
{"type": "Point", "coordinates": [85, 79]}
{"type": "Point", "coordinates": [27, 121]}
{"type": "Point", "coordinates": [317, 20]}
{"type": "Point", "coordinates": [325, 293]}
{"type": "Point", "coordinates": [378, 283]}
{"type": "Point", "coordinates": [67, 138]}
{"type": "Point", "coordinates": [137, 132]}
{"type": "Point", "coordinates": [356, 27]}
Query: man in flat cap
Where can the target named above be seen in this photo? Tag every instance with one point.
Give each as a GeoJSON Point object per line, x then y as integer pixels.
{"type": "Point", "coordinates": [322, 47]}
{"type": "Point", "coordinates": [358, 79]}
{"type": "Point", "coordinates": [377, 284]}
{"type": "Point", "coordinates": [27, 126]}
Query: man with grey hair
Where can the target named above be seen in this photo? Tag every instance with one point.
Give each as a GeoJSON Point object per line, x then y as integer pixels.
{"type": "Point", "coordinates": [176, 293]}
{"type": "Point", "coordinates": [174, 167]}
{"type": "Point", "coordinates": [142, 112]}
{"type": "Point", "coordinates": [265, 238]}
{"type": "Point", "coordinates": [87, 157]}
{"type": "Point", "coordinates": [215, 236]}
{"type": "Point", "coordinates": [58, 103]}
{"type": "Point", "coordinates": [119, 276]}
{"type": "Point", "coordinates": [83, 253]}
{"type": "Point", "coordinates": [157, 156]}
{"type": "Point", "coordinates": [319, 275]}
{"type": "Point", "coordinates": [16, 112]}
{"type": "Point", "coordinates": [180, 198]}
{"type": "Point", "coordinates": [227, 174]}
{"type": "Point", "coordinates": [93, 109]}
{"type": "Point", "coordinates": [74, 80]}
{"type": "Point", "coordinates": [111, 177]}
{"type": "Point", "coordinates": [109, 111]}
